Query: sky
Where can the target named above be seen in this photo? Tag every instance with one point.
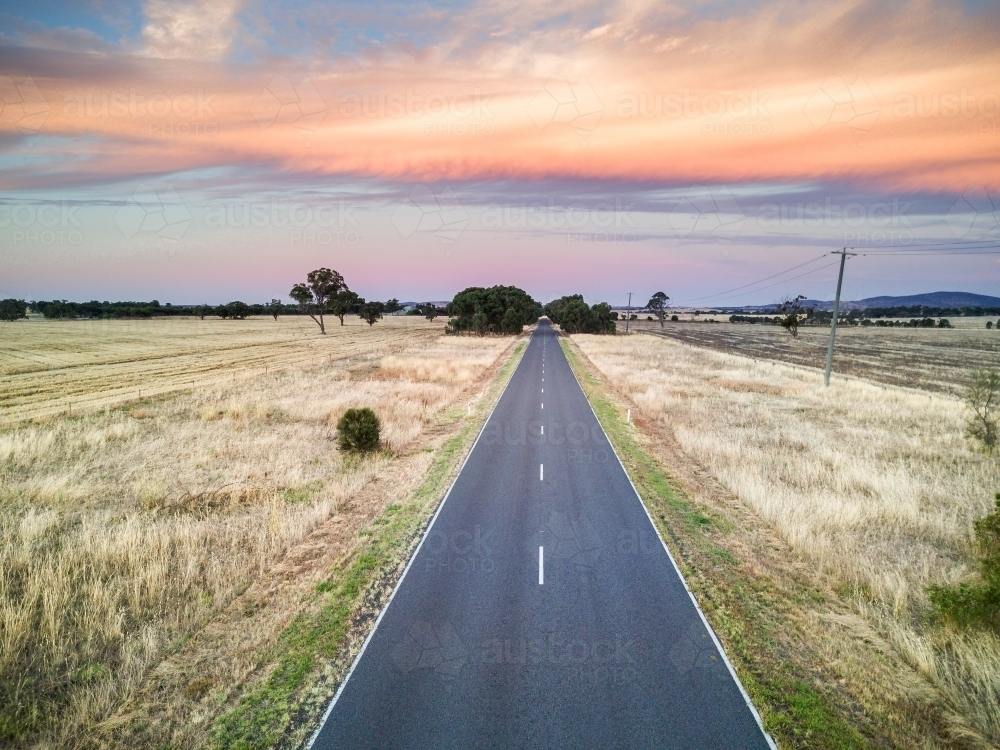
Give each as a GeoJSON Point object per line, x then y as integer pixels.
{"type": "Point", "coordinates": [220, 149]}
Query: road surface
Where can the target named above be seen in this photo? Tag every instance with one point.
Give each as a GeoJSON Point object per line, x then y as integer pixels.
{"type": "Point", "coordinates": [541, 609]}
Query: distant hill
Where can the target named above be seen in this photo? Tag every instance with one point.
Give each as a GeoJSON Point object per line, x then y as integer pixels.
{"type": "Point", "coordinates": [934, 299]}
{"type": "Point", "coordinates": [931, 299]}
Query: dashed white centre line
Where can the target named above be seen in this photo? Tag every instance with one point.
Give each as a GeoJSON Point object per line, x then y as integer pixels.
{"type": "Point", "coordinates": [541, 472]}
{"type": "Point", "coordinates": [543, 429]}
{"type": "Point", "coordinates": [541, 566]}
{"type": "Point", "coordinates": [543, 404]}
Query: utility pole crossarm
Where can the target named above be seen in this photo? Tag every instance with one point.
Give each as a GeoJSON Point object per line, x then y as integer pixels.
{"type": "Point", "coordinates": [836, 311]}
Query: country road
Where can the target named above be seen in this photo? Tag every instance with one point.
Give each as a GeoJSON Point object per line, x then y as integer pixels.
{"type": "Point", "coordinates": [541, 609]}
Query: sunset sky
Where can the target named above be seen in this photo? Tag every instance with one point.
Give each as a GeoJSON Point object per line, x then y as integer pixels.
{"type": "Point", "coordinates": [214, 150]}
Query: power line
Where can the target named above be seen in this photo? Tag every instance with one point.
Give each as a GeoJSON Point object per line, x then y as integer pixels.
{"type": "Point", "coordinates": [777, 283]}
{"type": "Point", "coordinates": [930, 252]}
{"type": "Point", "coordinates": [754, 283]}
{"type": "Point", "coordinates": [964, 247]}
{"type": "Point", "coordinates": [956, 243]}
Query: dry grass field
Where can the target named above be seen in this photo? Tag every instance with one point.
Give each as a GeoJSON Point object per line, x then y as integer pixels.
{"type": "Point", "coordinates": [65, 367]}
{"type": "Point", "coordinates": [128, 527]}
{"type": "Point", "coordinates": [874, 487]}
{"type": "Point", "coordinates": [931, 359]}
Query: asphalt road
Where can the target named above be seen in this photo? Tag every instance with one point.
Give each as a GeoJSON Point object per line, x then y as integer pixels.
{"type": "Point", "coordinates": [541, 609]}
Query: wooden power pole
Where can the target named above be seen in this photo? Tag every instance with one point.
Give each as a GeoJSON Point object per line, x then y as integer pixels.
{"type": "Point", "coordinates": [836, 310]}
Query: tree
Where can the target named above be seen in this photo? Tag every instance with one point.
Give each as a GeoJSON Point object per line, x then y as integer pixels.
{"type": "Point", "coordinates": [392, 306]}
{"type": "Point", "coordinates": [344, 303]}
{"type": "Point", "coordinates": [316, 295]}
{"type": "Point", "coordinates": [982, 398]}
{"type": "Point", "coordinates": [13, 309]}
{"type": "Point", "coordinates": [791, 309]}
{"type": "Point", "coordinates": [202, 310]}
{"type": "Point", "coordinates": [574, 315]}
{"type": "Point", "coordinates": [238, 310]}
{"type": "Point", "coordinates": [498, 309]}
{"type": "Point", "coordinates": [371, 312]}
{"type": "Point", "coordinates": [430, 311]}
{"type": "Point", "coordinates": [658, 306]}
{"type": "Point", "coordinates": [274, 308]}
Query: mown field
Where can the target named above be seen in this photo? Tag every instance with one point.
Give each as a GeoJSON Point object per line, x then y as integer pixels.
{"type": "Point", "coordinates": [62, 367]}
{"type": "Point", "coordinates": [155, 551]}
{"type": "Point", "coordinates": [821, 517]}
{"type": "Point", "coordinates": [932, 359]}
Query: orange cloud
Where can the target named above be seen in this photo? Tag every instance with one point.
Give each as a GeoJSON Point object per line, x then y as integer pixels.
{"type": "Point", "coordinates": [785, 92]}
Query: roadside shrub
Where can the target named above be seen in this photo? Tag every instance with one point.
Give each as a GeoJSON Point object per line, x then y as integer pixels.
{"type": "Point", "coordinates": [982, 398]}
{"type": "Point", "coordinates": [976, 604]}
{"type": "Point", "coordinates": [674, 318]}
{"type": "Point", "coordinates": [358, 431]}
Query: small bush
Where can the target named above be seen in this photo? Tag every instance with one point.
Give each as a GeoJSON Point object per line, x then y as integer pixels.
{"type": "Point", "coordinates": [976, 603]}
{"type": "Point", "coordinates": [982, 399]}
{"type": "Point", "coordinates": [358, 431]}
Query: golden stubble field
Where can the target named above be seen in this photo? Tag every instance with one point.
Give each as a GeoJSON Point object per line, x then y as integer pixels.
{"type": "Point", "coordinates": [128, 526]}
{"type": "Point", "coordinates": [61, 367]}
{"type": "Point", "coordinates": [874, 487]}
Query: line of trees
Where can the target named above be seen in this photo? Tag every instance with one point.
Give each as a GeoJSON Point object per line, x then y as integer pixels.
{"type": "Point", "coordinates": [574, 315]}
{"type": "Point", "coordinates": [498, 310]}
{"type": "Point", "coordinates": [823, 318]}
{"type": "Point", "coordinates": [325, 293]}
{"type": "Point", "coordinates": [57, 309]}
{"type": "Point", "coordinates": [919, 311]}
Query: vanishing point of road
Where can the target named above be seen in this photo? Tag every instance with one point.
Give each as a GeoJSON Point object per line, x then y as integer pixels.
{"type": "Point", "coordinates": [541, 609]}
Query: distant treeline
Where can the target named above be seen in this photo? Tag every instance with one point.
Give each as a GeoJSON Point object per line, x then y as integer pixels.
{"type": "Point", "coordinates": [97, 310]}
{"type": "Point", "coordinates": [918, 311]}
{"type": "Point", "coordinates": [852, 319]}
{"type": "Point", "coordinates": [758, 319]}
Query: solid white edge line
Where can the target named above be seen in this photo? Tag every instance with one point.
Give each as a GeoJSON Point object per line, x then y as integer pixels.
{"type": "Point", "coordinates": [399, 583]}
{"type": "Point", "coordinates": [711, 632]}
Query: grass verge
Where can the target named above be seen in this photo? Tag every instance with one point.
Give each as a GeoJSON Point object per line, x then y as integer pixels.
{"type": "Point", "coordinates": [746, 611]}
{"type": "Point", "coordinates": [312, 655]}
